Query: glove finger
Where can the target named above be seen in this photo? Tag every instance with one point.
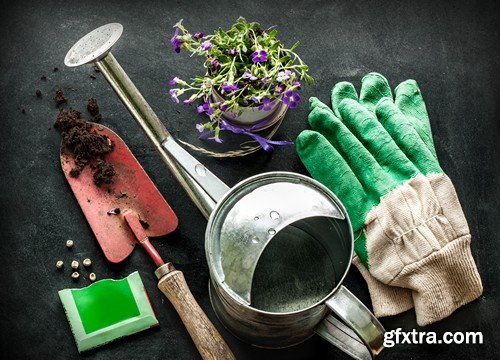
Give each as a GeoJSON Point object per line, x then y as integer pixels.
{"type": "Point", "coordinates": [411, 103]}
{"type": "Point", "coordinates": [342, 90]}
{"type": "Point", "coordinates": [368, 171]}
{"type": "Point", "coordinates": [314, 102]}
{"type": "Point", "coordinates": [373, 88]}
{"type": "Point", "coordinates": [326, 165]}
{"type": "Point", "coordinates": [406, 137]}
{"type": "Point", "coordinates": [365, 126]}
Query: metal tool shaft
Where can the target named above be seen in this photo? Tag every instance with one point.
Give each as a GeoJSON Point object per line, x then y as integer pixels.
{"type": "Point", "coordinates": [202, 187]}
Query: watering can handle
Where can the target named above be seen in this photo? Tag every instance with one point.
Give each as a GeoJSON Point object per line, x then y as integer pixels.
{"type": "Point", "coordinates": [207, 339]}
{"type": "Point", "coordinates": [360, 335]}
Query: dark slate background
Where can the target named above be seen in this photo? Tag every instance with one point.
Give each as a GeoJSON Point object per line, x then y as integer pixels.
{"type": "Point", "coordinates": [451, 49]}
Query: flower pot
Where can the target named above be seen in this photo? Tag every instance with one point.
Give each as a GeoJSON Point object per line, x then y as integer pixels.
{"type": "Point", "coordinates": [250, 116]}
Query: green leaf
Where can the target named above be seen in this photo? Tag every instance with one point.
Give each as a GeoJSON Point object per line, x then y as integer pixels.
{"type": "Point", "coordinates": [294, 46]}
{"type": "Point", "coordinates": [309, 79]}
{"type": "Point", "coordinates": [284, 59]}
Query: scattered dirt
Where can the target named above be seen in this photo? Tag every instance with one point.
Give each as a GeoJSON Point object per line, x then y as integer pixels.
{"type": "Point", "coordinates": [96, 69]}
{"type": "Point", "coordinates": [115, 211]}
{"type": "Point", "coordinates": [55, 69]}
{"type": "Point", "coordinates": [43, 77]}
{"type": "Point", "coordinates": [93, 110]}
{"type": "Point", "coordinates": [59, 98]}
{"type": "Point", "coordinates": [92, 107]}
{"type": "Point", "coordinates": [86, 145]}
{"type": "Point", "coordinates": [38, 93]}
{"type": "Point", "coordinates": [92, 76]}
{"type": "Point", "coordinates": [144, 224]}
{"type": "Point", "coordinates": [23, 111]}
{"type": "Point", "coordinates": [122, 195]}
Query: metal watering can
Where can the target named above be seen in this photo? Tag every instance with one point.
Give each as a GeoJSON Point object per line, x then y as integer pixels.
{"type": "Point", "coordinates": [278, 244]}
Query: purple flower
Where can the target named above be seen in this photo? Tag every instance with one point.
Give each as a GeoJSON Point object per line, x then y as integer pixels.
{"type": "Point", "coordinates": [186, 102]}
{"type": "Point", "coordinates": [200, 127]}
{"type": "Point", "coordinates": [279, 89]}
{"type": "Point", "coordinates": [264, 80]}
{"type": "Point", "coordinates": [216, 139]}
{"type": "Point", "coordinates": [267, 104]}
{"type": "Point", "coordinates": [198, 36]}
{"type": "Point", "coordinates": [223, 107]}
{"type": "Point", "coordinates": [228, 87]}
{"type": "Point", "coordinates": [215, 64]}
{"type": "Point", "coordinates": [248, 75]}
{"type": "Point", "coordinates": [205, 108]}
{"type": "Point", "coordinates": [291, 99]}
{"type": "Point", "coordinates": [297, 84]}
{"type": "Point", "coordinates": [176, 43]}
{"type": "Point", "coordinates": [174, 81]}
{"type": "Point", "coordinates": [255, 99]}
{"type": "Point", "coordinates": [173, 95]}
{"type": "Point", "coordinates": [259, 56]}
{"type": "Point", "coordinates": [283, 75]}
{"type": "Point", "coordinates": [206, 45]}
{"type": "Point", "coordinates": [232, 52]}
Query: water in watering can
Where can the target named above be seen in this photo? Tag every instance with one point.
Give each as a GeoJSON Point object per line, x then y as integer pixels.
{"type": "Point", "coordinates": [300, 266]}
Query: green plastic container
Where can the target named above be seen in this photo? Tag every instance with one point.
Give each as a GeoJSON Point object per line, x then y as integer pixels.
{"type": "Point", "coordinates": [107, 310]}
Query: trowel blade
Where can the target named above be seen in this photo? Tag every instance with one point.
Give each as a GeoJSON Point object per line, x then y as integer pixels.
{"type": "Point", "coordinates": [132, 189]}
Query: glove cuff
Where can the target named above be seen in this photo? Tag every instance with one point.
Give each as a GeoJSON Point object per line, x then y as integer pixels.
{"type": "Point", "coordinates": [386, 300]}
{"type": "Point", "coordinates": [444, 281]}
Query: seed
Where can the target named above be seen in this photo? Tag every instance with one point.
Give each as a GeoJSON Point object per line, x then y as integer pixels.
{"type": "Point", "coordinates": [87, 262]}
{"type": "Point", "coordinates": [69, 244]}
{"type": "Point", "coordinates": [75, 275]}
{"type": "Point", "coordinates": [74, 264]}
{"type": "Point", "coordinates": [92, 277]}
{"type": "Point", "coordinates": [59, 264]}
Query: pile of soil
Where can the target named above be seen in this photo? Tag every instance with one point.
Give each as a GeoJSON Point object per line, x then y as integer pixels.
{"type": "Point", "coordinates": [104, 172]}
{"type": "Point", "coordinates": [85, 144]}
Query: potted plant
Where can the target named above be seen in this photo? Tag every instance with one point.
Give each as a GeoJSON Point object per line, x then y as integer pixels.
{"type": "Point", "coordinates": [250, 79]}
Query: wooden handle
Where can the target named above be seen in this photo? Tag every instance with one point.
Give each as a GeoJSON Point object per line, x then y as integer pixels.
{"type": "Point", "coordinates": [204, 334]}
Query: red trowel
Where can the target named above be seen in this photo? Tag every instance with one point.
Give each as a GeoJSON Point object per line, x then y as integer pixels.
{"type": "Point", "coordinates": [131, 210]}
{"type": "Point", "coordinates": [107, 206]}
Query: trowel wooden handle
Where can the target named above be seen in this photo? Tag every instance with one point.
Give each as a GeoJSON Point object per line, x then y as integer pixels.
{"type": "Point", "coordinates": [207, 339]}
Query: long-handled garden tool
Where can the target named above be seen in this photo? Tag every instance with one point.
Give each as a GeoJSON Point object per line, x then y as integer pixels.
{"type": "Point", "coordinates": [130, 210]}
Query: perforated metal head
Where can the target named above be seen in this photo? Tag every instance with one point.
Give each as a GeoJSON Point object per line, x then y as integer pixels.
{"type": "Point", "coordinates": [93, 46]}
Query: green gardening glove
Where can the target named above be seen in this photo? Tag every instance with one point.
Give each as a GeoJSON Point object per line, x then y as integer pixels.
{"type": "Point", "coordinates": [388, 300]}
{"type": "Point", "coordinates": [410, 230]}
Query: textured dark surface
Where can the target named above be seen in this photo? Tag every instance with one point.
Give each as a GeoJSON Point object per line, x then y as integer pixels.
{"type": "Point", "coordinates": [450, 49]}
